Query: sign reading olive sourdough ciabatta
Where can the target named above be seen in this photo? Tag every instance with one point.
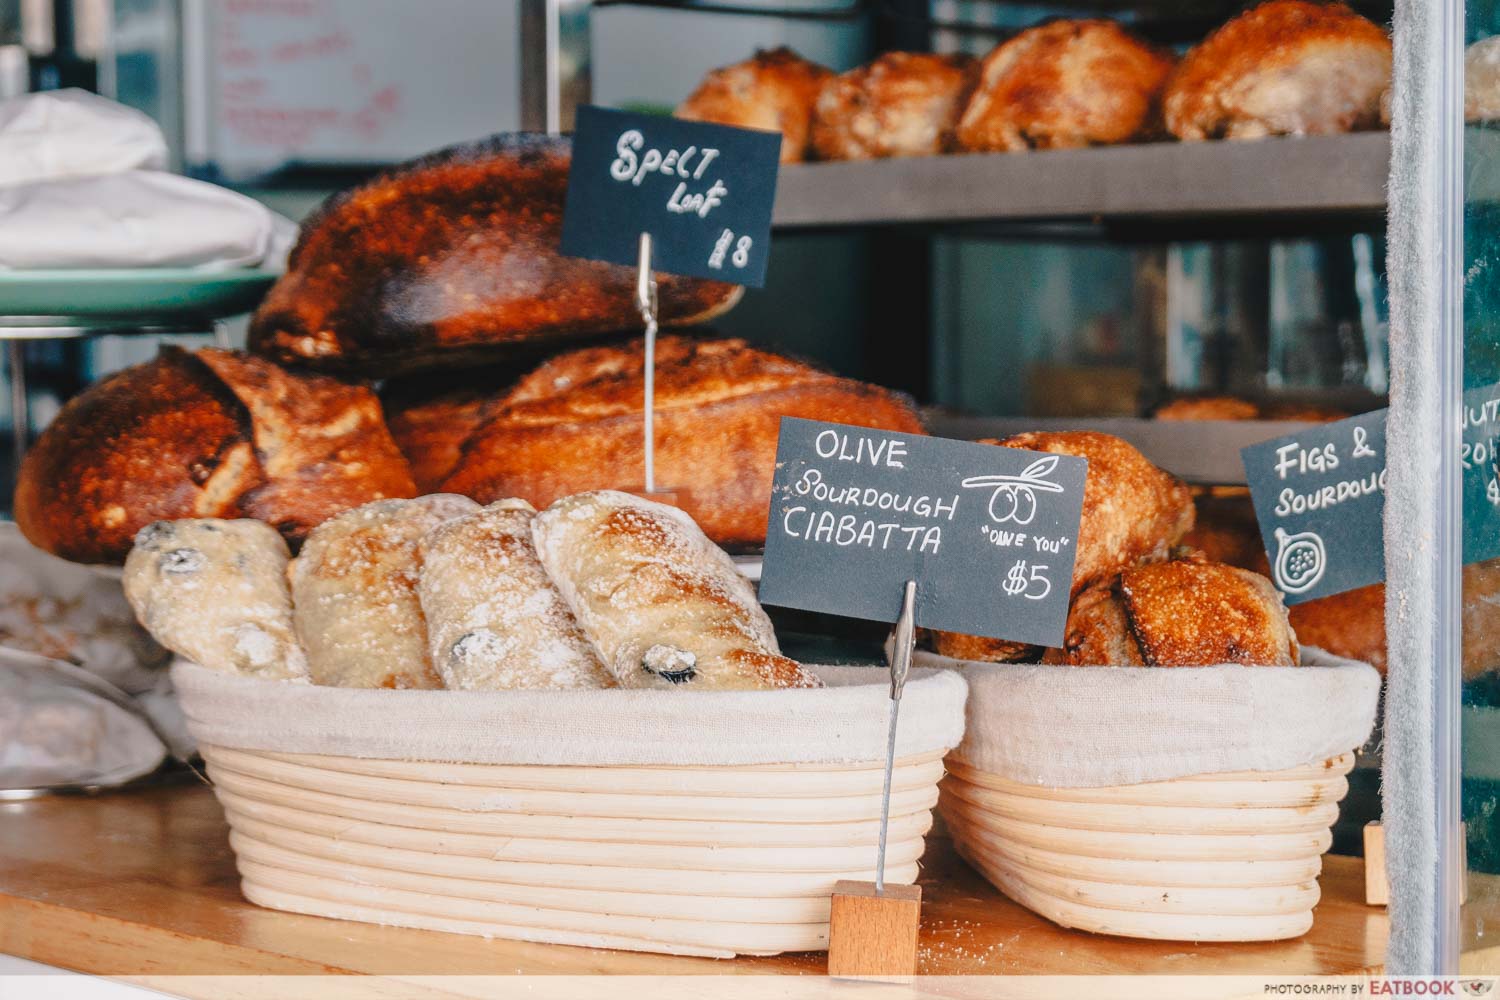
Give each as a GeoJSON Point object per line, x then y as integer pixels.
{"type": "Point", "coordinates": [703, 192]}
{"type": "Point", "coordinates": [989, 534]}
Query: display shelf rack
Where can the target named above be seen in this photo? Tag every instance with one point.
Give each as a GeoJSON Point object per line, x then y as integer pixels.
{"type": "Point", "coordinates": [1290, 176]}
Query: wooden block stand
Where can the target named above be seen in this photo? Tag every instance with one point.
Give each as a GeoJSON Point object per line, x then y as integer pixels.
{"type": "Point", "coordinates": [873, 935]}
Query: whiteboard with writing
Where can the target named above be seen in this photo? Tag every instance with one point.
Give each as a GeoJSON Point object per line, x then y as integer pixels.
{"type": "Point", "coordinates": [346, 81]}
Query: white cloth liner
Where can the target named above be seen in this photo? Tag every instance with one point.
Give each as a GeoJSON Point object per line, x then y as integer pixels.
{"type": "Point", "coordinates": [842, 723]}
{"type": "Point", "coordinates": [1092, 727]}
{"type": "Point", "coordinates": [73, 133]}
{"type": "Point", "coordinates": [139, 218]}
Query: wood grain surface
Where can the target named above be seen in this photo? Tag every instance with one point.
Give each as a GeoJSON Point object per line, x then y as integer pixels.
{"type": "Point", "coordinates": [143, 883]}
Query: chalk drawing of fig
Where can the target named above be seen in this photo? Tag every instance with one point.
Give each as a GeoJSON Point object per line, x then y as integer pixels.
{"type": "Point", "coordinates": [1300, 561]}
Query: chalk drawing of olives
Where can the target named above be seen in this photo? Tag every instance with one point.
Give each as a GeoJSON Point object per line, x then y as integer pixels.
{"type": "Point", "coordinates": [1300, 561]}
{"type": "Point", "coordinates": [1014, 498]}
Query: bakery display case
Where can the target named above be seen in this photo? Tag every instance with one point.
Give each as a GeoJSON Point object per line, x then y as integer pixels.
{"type": "Point", "coordinates": [1141, 233]}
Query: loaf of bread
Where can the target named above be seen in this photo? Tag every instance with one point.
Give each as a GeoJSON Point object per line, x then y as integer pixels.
{"type": "Point", "coordinates": [1182, 613]}
{"type": "Point", "coordinates": [1286, 67]}
{"type": "Point", "coordinates": [450, 258]}
{"type": "Point", "coordinates": [902, 104]}
{"type": "Point", "coordinates": [354, 594]}
{"type": "Point", "coordinates": [1065, 84]}
{"type": "Point", "coordinates": [773, 91]}
{"type": "Point", "coordinates": [1133, 513]}
{"type": "Point", "coordinates": [494, 619]}
{"type": "Point", "coordinates": [575, 424]}
{"type": "Point", "coordinates": [215, 434]}
{"type": "Point", "coordinates": [663, 606]}
{"type": "Point", "coordinates": [215, 591]}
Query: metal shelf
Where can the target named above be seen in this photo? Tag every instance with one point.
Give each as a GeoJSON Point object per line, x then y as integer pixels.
{"type": "Point", "coordinates": [1287, 176]}
{"type": "Point", "coordinates": [1204, 452]}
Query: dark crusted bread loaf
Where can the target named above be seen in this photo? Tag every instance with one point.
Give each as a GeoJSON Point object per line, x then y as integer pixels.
{"type": "Point", "coordinates": [449, 258]}
{"type": "Point", "coordinates": [212, 434]}
{"type": "Point", "coordinates": [575, 424]}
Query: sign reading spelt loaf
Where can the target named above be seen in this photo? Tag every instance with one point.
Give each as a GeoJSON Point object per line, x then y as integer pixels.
{"type": "Point", "coordinates": [704, 193]}
{"type": "Point", "coordinates": [988, 533]}
{"type": "Point", "coordinates": [1319, 497]}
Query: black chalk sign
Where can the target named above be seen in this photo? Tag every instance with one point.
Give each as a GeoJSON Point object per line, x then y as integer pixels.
{"type": "Point", "coordinates": [1319, 497]}
{"type": "Point", "coordinates": [988, 533]}
{"type": "Point", "coordinates": [704, 193]}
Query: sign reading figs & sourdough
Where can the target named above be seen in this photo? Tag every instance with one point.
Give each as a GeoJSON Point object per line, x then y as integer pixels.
{"type": "Point", "coordinates": [989, 534]}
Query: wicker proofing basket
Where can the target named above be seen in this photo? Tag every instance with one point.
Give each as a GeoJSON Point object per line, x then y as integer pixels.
{"type": "Point", "coordinates": [1203, 853]}
{"type": "Point", "coordinates": [679, 850]}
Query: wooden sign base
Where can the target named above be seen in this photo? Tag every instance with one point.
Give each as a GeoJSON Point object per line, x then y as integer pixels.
{"type": "Point", "coordinates": [873, 936]}
{"type": "Point", "coordinates": [1377, 882]}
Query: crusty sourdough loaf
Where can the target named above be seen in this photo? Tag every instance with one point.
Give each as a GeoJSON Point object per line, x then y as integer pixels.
{"type": "Point", "coordinates": [1182, 613]}
{"type": "Point", "coordinates": [212, 434]}
{"type": "Point", "coordinates": [452, 257]}
{"type": "Point", "coordinates": [575, 424]}
{"type": "Point", "coordinates": [1133, 512]}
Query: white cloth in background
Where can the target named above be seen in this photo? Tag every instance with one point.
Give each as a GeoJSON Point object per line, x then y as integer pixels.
{"type": "Point", "coordinates": [1092, 727]}
{"type": "Point", "coordinates": [844, 722]}
{"type": "Point", "coordinates": [73, 133]}
{"type": "Point", "coordinates": [139, 218]}
{"type": "Point", "coordinates": [83, 185]}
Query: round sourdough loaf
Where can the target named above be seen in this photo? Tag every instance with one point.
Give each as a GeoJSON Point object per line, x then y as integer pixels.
{"type": "Point", "coordinates": [213, 434]}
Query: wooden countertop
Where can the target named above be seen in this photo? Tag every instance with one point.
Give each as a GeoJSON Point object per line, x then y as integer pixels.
{"type": "Point", "coordinates": [143, 884]}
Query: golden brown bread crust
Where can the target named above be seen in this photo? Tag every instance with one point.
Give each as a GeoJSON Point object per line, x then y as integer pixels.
{"type": "Point", "coordinates": [213, 434]}
{"type": "Point", "coordinates": [1286, 67]}
{"type": "Point", "coordinates": [1208, 408]}
{"type": "Point", "coordinates": [575, 425]}
{"type": "Point", "coordinates": [1351, 624]}
{"type": "Point", "coordinates": [452, 258]}
{"type": "Point", "coordinates": [902, 104]}
{"type": "Point", "coordinates": [1133, 512]}
{"type": "Point", "coordinates": [1065, 84]}
{"type": "Point", "coordinates": [1226, 531]}
{"type": "Point", "coordinates": [1183, 613]}
{"type": "Point", "coordinates": [773, 91]}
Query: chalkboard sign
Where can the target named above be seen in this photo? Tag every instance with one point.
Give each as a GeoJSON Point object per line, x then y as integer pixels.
{"type": "Point", "coordinates": [704, 193]}
{"type": "Point", "coordinates": [988, 533]}
{"type": "Point", "coordinates": [1320, 498]}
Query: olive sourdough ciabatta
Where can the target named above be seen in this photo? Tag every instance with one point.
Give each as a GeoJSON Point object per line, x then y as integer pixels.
{"type": "Point", "coordinates": [663, 606]}
{"type": "Point", "coordinates": [451, 258]}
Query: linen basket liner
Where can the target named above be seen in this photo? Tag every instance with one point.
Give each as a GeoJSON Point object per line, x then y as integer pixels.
{"type": "Point", "coordinates": [844, 722]}
{"type": "Point", "coordinates": [1094, 727]}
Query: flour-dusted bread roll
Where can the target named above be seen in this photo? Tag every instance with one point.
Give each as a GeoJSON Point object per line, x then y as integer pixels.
{"type": "Point", "coordinates": [354, 591]}
{"type": "Point", "coordinates": [662, 604]}
{"type": "Point", "coordinates": [215, 592]}
{"type": "Point", "coordinates": [494, 619]}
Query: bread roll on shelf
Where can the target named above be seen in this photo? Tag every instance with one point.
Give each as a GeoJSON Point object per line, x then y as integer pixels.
{"type": "Point", "coordinates": [772, 91]}
{"type": "Point", "coordinates": [494, 619]}
{"type": "Point", "coordinates": [663, 606]}
{"type": "Point", "coordinates": [1065, 84]}
{"type": "Point", "coordinates": [354, 594]}
{"type": "Point", "coordinates": [1286, 67]}
{"type": "Point", "coordinates": [901, 104]}
{"type": "Point", "coordinates": [215, 592]}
